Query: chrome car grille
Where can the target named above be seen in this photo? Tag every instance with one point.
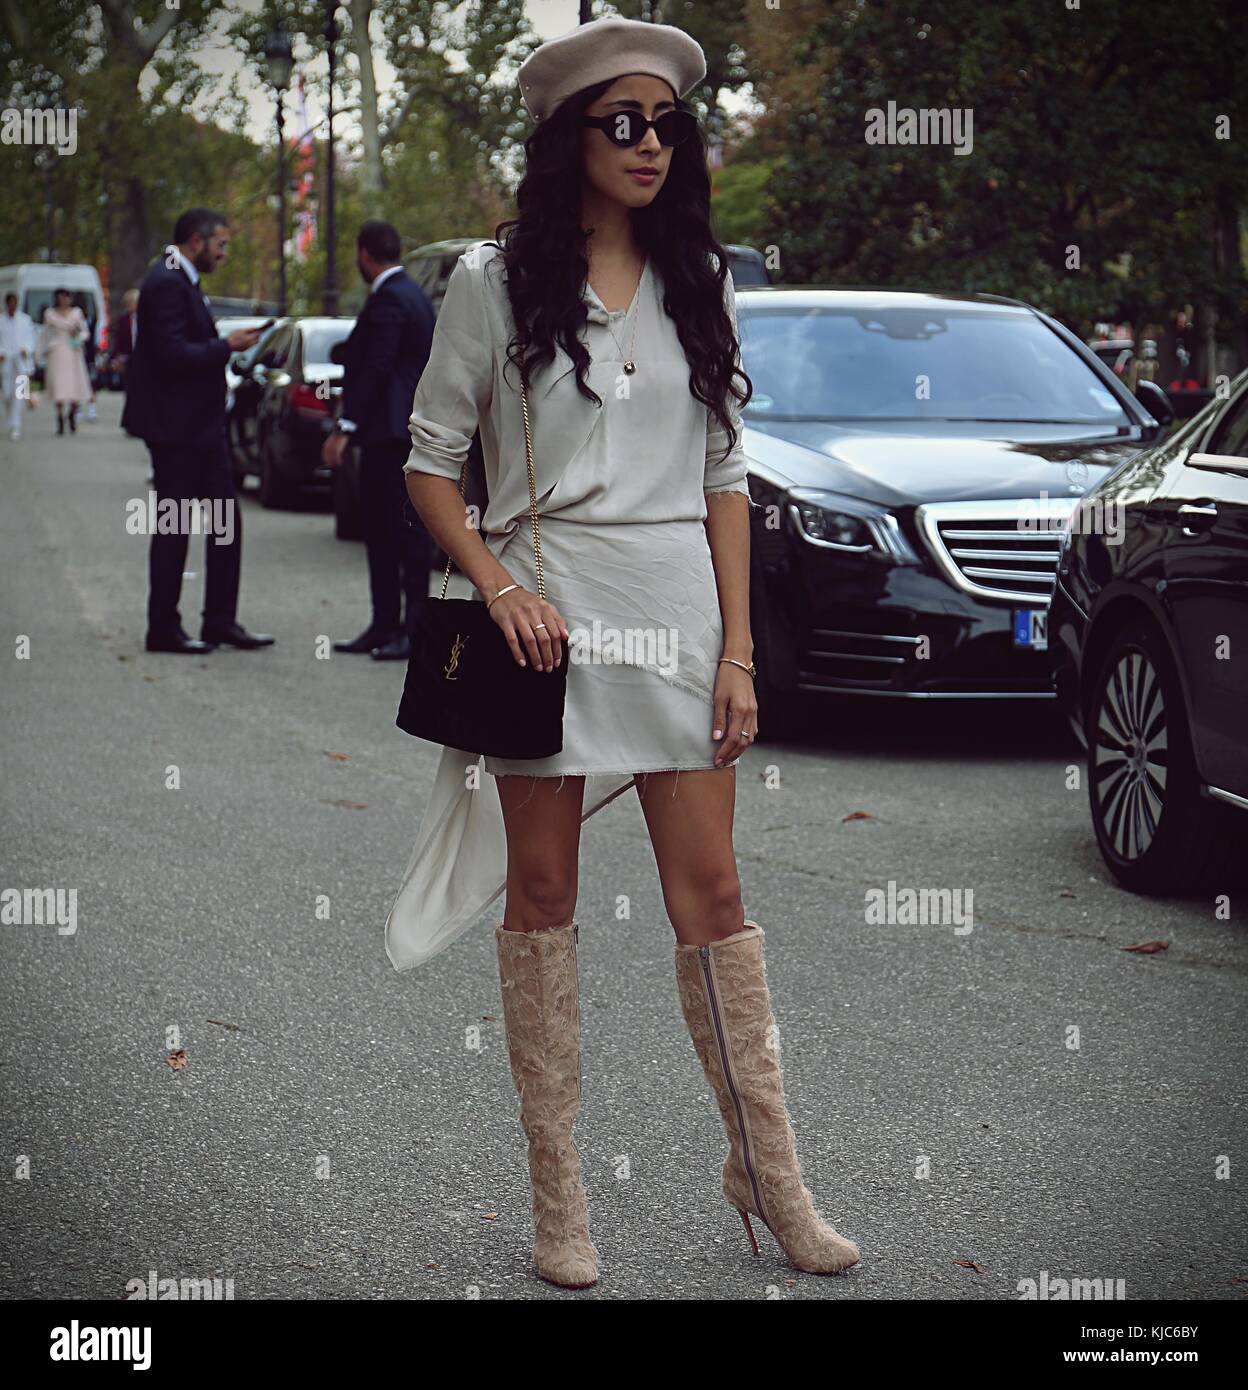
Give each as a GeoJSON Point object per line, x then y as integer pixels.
{"type": "Point", "coordinates": [998, 550]}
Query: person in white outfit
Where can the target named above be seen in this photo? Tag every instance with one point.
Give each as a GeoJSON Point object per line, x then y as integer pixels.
{"type": "Point", "coordinates": [17, 358]}
{"type": "Point", "coordinates": [609, 309]}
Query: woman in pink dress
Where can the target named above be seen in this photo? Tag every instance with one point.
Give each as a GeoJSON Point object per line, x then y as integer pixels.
{"type": "Point", "coordinates": [61, 340]}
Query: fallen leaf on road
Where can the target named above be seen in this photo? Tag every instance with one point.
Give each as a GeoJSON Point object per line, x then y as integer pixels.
{"type": "Point", "coordinates": [1147, 948]}
{"type": "Point", "coordinates": [341, 757]}
{"type": "Point", "coordinates": [221, 1023]}
{"type": "Point", "coordinates": [970, 1264]}
{"type": "Point", "coordinates": [1065, 893]}
{"type": "Point", "coordinates": [177, 1060]}
{"type": "Point", "coordinates": [350, 805]}
{"type": "Point", "coordinates": [857, 815]}
{"type": "Point", "coordinates": [489, 1216]}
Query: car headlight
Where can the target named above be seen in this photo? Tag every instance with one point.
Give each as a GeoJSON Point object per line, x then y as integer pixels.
{"type": "Point", "coordinates": [848, 525]}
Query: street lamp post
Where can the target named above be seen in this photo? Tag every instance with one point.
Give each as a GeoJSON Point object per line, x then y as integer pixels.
{"type": "Point", "coordinates": [280, 59]}
{"type": "Point", "coordinates": [331, 247]}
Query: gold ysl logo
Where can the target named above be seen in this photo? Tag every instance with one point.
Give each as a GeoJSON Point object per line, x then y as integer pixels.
{"type": "Point", "coordinates": [449, 669]}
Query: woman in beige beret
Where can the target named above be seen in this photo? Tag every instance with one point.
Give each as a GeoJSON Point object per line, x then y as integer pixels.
{"type": "Point", "coordinates": [631, 349]}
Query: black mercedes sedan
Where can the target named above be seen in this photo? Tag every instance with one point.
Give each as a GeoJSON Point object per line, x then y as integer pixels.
{"type": "Point", "coordinates": [1149, 633]}
{"type": "Point", "coordinates": [915, 456]}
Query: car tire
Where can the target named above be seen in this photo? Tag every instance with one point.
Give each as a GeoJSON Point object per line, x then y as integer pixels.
{"type": "Point", "coordinates": [276, 492]}
{"type": "Point", "coordinates": [1157, 832]}
{"type": "Point", "coordinates": [782, 714]}
{"type": "Point", "coordinates": [348, 523]}
{"type": "Point", "coordinates": [238, 461]}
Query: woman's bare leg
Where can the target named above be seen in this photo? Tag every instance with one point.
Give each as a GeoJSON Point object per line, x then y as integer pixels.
{"type": "Point", "coordinates": [543, 820]}
{"type": "Point", "coordinates": [689, 817]}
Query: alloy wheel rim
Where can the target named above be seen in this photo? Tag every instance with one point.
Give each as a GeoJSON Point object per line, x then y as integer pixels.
{"type": "Point", "coordinates": [1130, 755]}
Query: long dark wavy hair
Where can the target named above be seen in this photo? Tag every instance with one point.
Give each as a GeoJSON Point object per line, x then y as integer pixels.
{"type": "Point", "coordinates": [544, 253]}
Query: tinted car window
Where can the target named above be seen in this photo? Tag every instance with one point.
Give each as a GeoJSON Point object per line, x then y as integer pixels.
{"type": "Point", "coordinates": [858, 364]}
{"type": "Point", "coordinates": [258, 349]}
{"type": "Point", "coordinates": [278, 347]}
{"type": "Point", "coordinates": [1231, 437]}
{"type": "Point", "coordinates": [747, 271]}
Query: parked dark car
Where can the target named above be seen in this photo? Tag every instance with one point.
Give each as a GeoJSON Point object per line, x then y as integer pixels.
{"type": "Point", "coordinates": [1186, 399]}
{"type": "Point", "coordinates": [244, 386]}
{"type": "Point", "coordinates": [915, 455]}
{"type": "Point", "coordinates": [296, 385]}
{"type": "Point", "coordinates": [1149, 625]}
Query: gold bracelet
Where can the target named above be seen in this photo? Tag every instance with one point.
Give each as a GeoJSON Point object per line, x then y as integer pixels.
{"type": "Point", "coordinates": [500, 593]}
{"type": "Point", "coordinates": [751, 668]}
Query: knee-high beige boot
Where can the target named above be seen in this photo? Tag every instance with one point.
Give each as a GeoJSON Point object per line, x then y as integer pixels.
{"type": "Point", "coordinates": [724, 997]}
{"type": "Point", "coordinates": [541, 1011]}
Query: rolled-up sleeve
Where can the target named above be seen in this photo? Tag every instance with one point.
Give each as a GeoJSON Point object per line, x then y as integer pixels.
{"type": "Point", "coordinates": [456, 386]}
{"type": "Point", "coordinates": [726, 473]}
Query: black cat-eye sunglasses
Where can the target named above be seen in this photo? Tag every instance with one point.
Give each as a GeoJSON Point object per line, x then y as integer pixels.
{"type": "Point", "coordinates": [628, 128]}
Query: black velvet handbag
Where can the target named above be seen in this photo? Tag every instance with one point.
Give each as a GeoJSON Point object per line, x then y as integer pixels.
{"type": "Point", "coordinates": [464, 688]}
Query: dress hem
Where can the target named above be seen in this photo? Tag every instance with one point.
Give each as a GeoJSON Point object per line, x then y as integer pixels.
{"type": "Point", "coordinates": [620, 772]}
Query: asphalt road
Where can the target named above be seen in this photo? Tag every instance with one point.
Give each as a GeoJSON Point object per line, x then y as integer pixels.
{"type": "Point", "coordinates": [331, 1135]}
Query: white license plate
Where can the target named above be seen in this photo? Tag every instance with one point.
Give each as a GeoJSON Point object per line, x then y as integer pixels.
{"type": "Point", "coordinates": [1031, 628]}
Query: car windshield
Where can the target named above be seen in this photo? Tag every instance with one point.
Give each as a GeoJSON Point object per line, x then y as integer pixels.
{"type": "Point", "coordinates": [916, 364]}
{"type": "Point", "coordinates": [318, 341]}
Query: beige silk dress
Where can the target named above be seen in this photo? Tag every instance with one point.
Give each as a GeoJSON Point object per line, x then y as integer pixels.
{"type": "Point", "coordinates": [621, 505]}
{"type": "Point", "coordinates": [65, 375]}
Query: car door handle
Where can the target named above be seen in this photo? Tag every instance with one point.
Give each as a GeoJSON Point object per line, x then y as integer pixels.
{"type": "Point", "coordinates": [1218, 463]}
{"type": "Point", "coordinates": [1196, 518]}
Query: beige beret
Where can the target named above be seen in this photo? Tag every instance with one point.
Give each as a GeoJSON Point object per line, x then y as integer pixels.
{"type": "Point", "coordinates": [605, 49]}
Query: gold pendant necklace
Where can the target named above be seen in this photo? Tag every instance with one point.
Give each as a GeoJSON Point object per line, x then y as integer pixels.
{"type": "Point", "coordinates": [630, 365]}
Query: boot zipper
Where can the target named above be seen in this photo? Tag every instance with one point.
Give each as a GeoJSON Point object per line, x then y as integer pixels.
{"type": "Point", "coordinates": [704, 953]}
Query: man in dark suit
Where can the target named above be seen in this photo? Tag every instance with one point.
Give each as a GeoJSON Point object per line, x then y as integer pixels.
{"type": "Point", "coordinates": [384, 358]}
{"type": "Point", "coordinates": [175, 403]}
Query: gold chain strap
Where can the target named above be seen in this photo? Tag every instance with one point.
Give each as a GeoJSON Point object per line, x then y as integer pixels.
{"type": "Point", "coordinates": [537, 536]}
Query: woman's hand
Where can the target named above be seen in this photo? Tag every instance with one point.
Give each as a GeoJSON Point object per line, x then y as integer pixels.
{"type": "Point", "coordinates": [519, 613]}
{"type": "Point", "coordinates": [736, 712]}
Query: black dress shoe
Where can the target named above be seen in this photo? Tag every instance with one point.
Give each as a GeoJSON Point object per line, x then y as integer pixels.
{"type": "Point", "coordinates": [397, 649]}
{"type": "Point", "coordinates": [178, 642]}
{"type": "Point", "coordinates": [236, 635]}
{"type": "Point", "coordinates": [365, 642]}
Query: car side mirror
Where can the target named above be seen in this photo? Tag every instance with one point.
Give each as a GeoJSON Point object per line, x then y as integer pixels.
{"type": "Point", "coordinates": [1155, 401]}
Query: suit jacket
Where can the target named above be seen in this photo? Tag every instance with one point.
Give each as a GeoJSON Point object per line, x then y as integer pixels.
{"type": "Point", "coordinates": [175, 380]}
{"type": "Point", "coordinates": [384, 358]}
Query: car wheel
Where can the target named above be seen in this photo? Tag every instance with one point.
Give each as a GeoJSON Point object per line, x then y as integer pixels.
{"type": "Point", "coordinates": [1156, 831]}
{"type": "Point", "coordinates": [348, 524]}
{"type": "Point", "coordinates": [782, 714]}
{"type": "Point", "coordinates": [275, 490]}
{"type": "Point", "coordinates": [238, 460]}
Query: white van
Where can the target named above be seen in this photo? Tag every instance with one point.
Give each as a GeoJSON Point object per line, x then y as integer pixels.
{"type": "Point", "coordinates": [34, 282]}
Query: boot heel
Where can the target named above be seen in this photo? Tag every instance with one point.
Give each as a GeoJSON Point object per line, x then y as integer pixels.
{"type": "Point", "coordinates": [727, 1007]}
{"type": "Point", "coordinates": [749, 1230]}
